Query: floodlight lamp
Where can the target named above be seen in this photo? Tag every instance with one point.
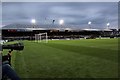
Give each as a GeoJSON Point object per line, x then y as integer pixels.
{"type": "Point", "coordinates": [108, 24]}
{"type": "Point", "coordinates": [33, 21]}
{"type": "Point", "coordinates": [61, 22]}
{"type": "Point", "coordinates": [89, 22]}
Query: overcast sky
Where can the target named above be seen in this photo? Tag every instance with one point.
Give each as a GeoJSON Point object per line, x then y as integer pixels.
{"type": "Point", "coordinates": [73, 13]}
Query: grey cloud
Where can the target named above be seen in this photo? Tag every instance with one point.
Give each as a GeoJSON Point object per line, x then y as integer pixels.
{"type": "Point", "coordinates": [74, 13]}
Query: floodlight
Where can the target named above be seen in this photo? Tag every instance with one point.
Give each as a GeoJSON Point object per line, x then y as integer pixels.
{"type": "Point", "coordinates": [89, 23]}
{"type": "Point", "coordinates": [61, 22]}
{"type": "Point", "coordinates": [33, 21]}
{"type": "Point", "coordinates": [108, 24]}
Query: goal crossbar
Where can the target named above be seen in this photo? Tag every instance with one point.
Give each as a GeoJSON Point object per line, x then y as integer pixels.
{"type": "Point", "coordinates": [38, 37]}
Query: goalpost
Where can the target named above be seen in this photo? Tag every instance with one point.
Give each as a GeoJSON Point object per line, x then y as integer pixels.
{"type": "Point", "coordinates": [41, 37]}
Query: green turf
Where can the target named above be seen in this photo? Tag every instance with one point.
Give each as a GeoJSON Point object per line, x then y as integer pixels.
{"type": "Point", "coordinates": [92, 58]}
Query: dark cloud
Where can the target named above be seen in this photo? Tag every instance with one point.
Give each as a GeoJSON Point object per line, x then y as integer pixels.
{"type": "Point", "coordinates": [74, 13]}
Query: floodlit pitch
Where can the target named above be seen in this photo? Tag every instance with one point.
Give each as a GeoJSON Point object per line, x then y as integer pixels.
{"type": "Point", "coordinates": [90, 58]}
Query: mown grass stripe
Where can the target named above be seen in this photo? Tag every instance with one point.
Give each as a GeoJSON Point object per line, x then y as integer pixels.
{"type": "Point", "coordinates": [96, 52]}
{"type": "Point", "coordinates": [60, 59]}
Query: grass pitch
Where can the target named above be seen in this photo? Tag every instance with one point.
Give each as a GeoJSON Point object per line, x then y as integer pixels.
{"type": "Point", "coordinates": [90, 58]}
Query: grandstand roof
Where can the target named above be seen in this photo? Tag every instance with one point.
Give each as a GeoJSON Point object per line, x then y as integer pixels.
{"type": "Point", "coordinates": [49, 27]}
{"type": "Point", "coordinates": [41, 26]}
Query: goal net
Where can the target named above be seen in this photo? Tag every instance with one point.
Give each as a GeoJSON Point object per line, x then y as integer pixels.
{"type": "Point", "coordinates": [41, 37]}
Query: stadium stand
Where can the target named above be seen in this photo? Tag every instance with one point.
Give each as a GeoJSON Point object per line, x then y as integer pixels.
{"type": "Point", "coordinates": [28, 31]}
